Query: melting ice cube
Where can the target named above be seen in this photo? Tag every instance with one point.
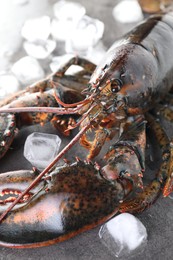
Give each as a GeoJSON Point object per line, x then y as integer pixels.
{"type": "Point", "coordinates": [68, 11]}
{"type": "Point", "coordinates": [123, 234]}
{"type": "Point", "coordinates": [127, 11]}
{"type": "Point", "coordinates": [40, 149]}
{"type": "Point", "coordinates": [97, 53]}
{"type": "Point", "coordinates": [40, 49]}
{"type": "Point", "coordinates": [67, 15]}
{"type": "Point", "coordinates": [36, 29]}
{"type": "Point", "coordinates": [8, 84]}
{"type": "Point", "coordinates": [85, 35]}
{"type": "Point", "coordinates": [28, 70]}
{"type": "Point", "coordinates": [61, 30]}
{"type": "Point", "coordinates": [20, 2]}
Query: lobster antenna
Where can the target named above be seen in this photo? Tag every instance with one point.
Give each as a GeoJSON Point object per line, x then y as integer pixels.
{"type": "Point", "coordinates": [48, 168]}
{"type": "Point", "coordinates": [55, 110]}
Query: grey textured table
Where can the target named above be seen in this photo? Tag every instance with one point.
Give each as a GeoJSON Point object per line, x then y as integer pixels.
{"type": "Point", "coordinates": [158, 219]}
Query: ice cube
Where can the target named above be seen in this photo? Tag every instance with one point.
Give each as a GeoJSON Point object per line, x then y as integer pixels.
{"type": "Point", "coordinates": [40, 149]}
{"type": "Point", "coordinates": [123, 235]}
{"type": "Point", "coordinates": [61, 30]}
{"type": "Point", "coordinates": [85, 35]}
{"type": "Point", "coordinates": [20, 2]}
{"type": "Point", "coordinates": [28, 70]}
{"type": "Point", "coordinates": [8, 84]}
{"type": "Point", "coordinates": [68, 11]}
{"type": "Point", "coordinates": [96, 54]}
{"type": "Point", "coordinates": [36, 29]}
{"type": "Point", "coordinates": [127, 11]}
{"type": "Point", "coordinates": [40, 49]}
{"type": "Point", "coordinates": [67, 15]}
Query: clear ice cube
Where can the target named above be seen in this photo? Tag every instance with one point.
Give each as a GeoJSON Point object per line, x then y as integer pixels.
{"type": "Point", "coordinates": [85, 35]}
{"type": "Point", "coordinates": [20, 2]}
{"type": "Point", "coordinates": [36, 29]}
{"type": "Point", "coordinates": [28, 70]}
{"type": "Point", "coordinates": [124, 235]}
{"type": "Point", "coordinates": [68, 11]}
{"type": "Point", "coordinates": [61, 30]}
{"type": "Point", "coordinates": [67, 14]}
{"type": "Point", "coordinates": [127, 11]}
{"type": "Point", "coordinates": [97, 53]}
{"type": "Point", "coordinates": [40, 49]}
{"type": "Point", "coordinates": [8, 84]}
{"type": "Point", "coordinates": [40, 149]}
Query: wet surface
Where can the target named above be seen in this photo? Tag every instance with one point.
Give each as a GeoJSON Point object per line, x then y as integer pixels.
{"type": "Point", "coordinates": [158, 219]}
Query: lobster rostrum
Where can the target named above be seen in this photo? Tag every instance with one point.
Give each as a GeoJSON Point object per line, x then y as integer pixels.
{"type": "Point", "coordinates": [133, 78]}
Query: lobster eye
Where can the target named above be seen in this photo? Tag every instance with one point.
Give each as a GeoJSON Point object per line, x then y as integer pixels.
{"type": "Point", "coordinates": [116, 85]}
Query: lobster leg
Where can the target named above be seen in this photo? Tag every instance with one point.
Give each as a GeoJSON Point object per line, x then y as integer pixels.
{"type": "Point", "coordinates": [168, 99]}
{"type": "Point", "coordinates": [76, 83]}
{"type": "Point", "coordinates": [168, 187]}
{"type": "Point", "coordinates": [163, 109]}
{"type": "Point", "coordinates": [97, 144]}
{"type": "Point", "coordinates": [167, 113]}
{"type": "Point", "coordinates": [68, 95]}
{"type": "Point", "coordinates": [43, 85]}
{"type": "Point", "coordinates": [39, 86]}
{"type": "Point", "coordinates": [10, 122]}
{"type": "Point", "coordinates": [150, 193]}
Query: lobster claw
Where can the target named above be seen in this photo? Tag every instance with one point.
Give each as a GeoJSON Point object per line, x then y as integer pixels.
{"type": "Point", "coordinates": [75, 198]}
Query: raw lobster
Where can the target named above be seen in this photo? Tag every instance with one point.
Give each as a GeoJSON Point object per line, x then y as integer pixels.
{"type": "Point", "coordinates": [133, 78]}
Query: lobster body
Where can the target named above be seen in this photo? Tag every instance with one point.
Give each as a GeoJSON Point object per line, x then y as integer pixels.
{"type": "Point", "coordinates": [135, 74]}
